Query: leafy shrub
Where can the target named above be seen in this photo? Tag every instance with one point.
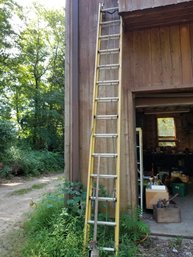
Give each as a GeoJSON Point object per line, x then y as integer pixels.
{"type": "Point", "coordinates": [128, 248]}
{"type": "Point", "coordinates": [5, 171]}
{"type": "Point", "coordinates": [7, 135]}
{"type": "Point", "coordinates": [30, 162]}
{"type": "Point", "coordinates": [132, 225]}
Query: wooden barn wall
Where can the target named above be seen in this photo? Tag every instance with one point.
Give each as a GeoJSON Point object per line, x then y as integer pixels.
{"type": "Point", "coordinates": [153, 59]}
{"type": "Point", "coordinates": [159, 58]}
{"type": "Point", "coordinates": [87, 43]}
{"type": "Point", "coordinates": [134, 5]}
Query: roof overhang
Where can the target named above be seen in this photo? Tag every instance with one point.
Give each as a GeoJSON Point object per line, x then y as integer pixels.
{"type": "Point", "coordinates": [158, 16]}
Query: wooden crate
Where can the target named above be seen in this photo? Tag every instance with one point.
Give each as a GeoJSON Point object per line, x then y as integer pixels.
{"type": "Point", "coordinates": [167, 215]}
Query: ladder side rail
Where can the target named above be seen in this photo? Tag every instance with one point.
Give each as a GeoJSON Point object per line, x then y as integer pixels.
{"type": "Point", "coordinates": [118, 172]}
{"type": "Point", "coordinates": [141, 167]}
{"type": "Point", "coordinates": [93, 127]}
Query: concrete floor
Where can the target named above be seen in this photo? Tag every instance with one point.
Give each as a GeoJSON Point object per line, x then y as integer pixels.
{"type": "Point", "coordinates": [185, 228]}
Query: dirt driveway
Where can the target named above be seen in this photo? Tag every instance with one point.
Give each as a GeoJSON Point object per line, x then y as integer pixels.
{"type": "Point", "coordinates": [16, 198]}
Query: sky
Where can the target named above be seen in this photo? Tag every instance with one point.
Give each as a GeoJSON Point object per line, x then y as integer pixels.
{"type": "Point", "coordinates": [47, 3]}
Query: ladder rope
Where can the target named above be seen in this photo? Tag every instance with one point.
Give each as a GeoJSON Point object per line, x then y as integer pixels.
{"type": "Point", "coordinates": [96, 201]}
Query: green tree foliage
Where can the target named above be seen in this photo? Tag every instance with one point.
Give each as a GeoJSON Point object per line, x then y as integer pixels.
{"type": "Point", "coordinates": [33, 75]}
{"type": "Point", "coordinates": [43, 65]}
{"type": "Point", "coordinates": [6, 7]}
{"type": "Point", "coordinates": [8, 46]}
{"type": "Point", "coordinates": [31, 88]}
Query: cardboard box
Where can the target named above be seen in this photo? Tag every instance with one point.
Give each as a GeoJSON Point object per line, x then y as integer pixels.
{"type": "Point", "coordinates": [167, 215]}
{"type": "Point", "coordinates": [153, 196]}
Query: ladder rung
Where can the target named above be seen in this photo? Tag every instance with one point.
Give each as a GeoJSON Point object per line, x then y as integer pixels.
{"type": "Point", "coordinates": [109, 22]}
{"type": "Point", "coordinates": [104, 199]}
{"type": "Point", "coordinates": [105, 155]}
{"type": "Point", "coordinates": [110, 9]}
{"type": "Point", "coordinates": [108, 83]}
{"type": "Point", "coordinates": [112, 36]}
{"type": "Point", "coordinates": [108, 249]}
{"type": "Point", "coordinates": [106, 135]}
{"type": "Point", "coordinates": [109, 66]}
{"type": "Point", "coordinates": [107, 99]}
{"type": "Point", "coordinates": [105, 176]}
{"type": "Point", "coordinates": [106, 223]}
{"type": "Point", "coordinates": [106, 117]}
{"type": "Point", "coordinates": [109, 51]}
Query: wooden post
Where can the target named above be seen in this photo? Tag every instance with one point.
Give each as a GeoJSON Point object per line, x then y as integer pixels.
{"type": "Point", "coordinates": [72, 170]}
{"type": "Point", "coordinates": [132, 151]}
{"type": "Point", "coordinates": [67, 92]}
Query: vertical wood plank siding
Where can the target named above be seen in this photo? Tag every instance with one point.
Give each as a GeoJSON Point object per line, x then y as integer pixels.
{"type": "Point", "coordinates": [176, 58]}
{"type": "Point", "coordinates": [186, 54]}
{"type": "Point", "coordinates": [153, 59]}
{"type": "Point", "coordinates": [134, 5]}
{"type": "Point", "coordinates": [87, 43]}
{"type": "Point", "coordinates": [75, 94]}
{"type": "Point", "coordinates": [163, 59]}
{"type": "Point", "coordinates": [71, 143]}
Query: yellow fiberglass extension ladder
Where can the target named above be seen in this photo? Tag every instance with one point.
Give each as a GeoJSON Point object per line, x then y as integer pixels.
{"type": "Point", "coordinates": [103, 189]}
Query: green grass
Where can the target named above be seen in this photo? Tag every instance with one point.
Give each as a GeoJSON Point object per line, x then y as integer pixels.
{"type": "Point", "coordinates": [176, 242]}
{"type": "Point", "coordinates": [38, 186]}
{"type": "Point", "coordinates": [23, 191]}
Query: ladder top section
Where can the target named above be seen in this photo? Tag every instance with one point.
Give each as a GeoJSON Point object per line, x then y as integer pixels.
{"type": "Point", "coordinates": [110, 9]}
{"type": "Point", "coordinates": [109, 22]}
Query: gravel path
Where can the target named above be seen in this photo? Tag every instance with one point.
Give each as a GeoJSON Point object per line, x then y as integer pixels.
{"type": "Point", "coordinates": [13, 207]}
{"type": "Point", "coordinates": [167, 247]}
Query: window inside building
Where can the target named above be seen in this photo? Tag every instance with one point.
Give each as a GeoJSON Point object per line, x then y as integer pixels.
{"type": "Point", "coordinates": [166, 131]}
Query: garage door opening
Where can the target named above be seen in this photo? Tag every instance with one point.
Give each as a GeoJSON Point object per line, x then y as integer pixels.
{"type": "Point", "coordinates": [166, 121]}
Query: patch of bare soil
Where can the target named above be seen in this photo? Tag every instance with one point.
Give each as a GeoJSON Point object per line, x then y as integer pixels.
{"type": "Point", "coordinates": [14, 207]}
{"type": "Point", "coordinates": [167, 247]}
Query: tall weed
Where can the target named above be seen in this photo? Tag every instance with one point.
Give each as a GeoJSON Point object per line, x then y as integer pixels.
{"type": "Point", "coordinates": [54, 230]}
